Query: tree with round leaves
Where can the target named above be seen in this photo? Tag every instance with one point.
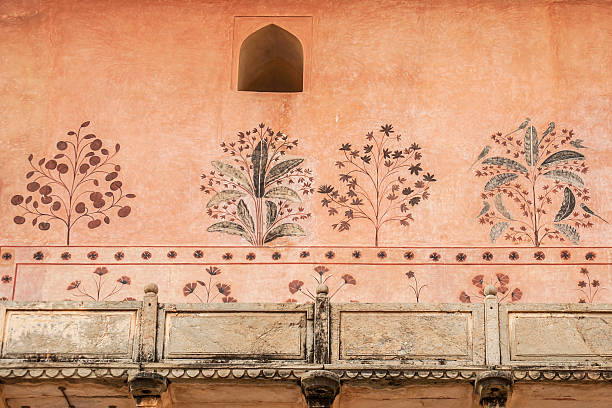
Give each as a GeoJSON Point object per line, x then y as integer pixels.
{"type": "Point", "coordinates": [80, 183]}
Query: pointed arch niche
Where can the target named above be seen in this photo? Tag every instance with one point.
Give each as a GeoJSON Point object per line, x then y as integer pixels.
{"type": "Point", "coordinates": [271, 54]}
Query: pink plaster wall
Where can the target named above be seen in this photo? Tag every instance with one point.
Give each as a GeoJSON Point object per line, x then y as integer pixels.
{"type": "Point", "coordinates": [157, 78]}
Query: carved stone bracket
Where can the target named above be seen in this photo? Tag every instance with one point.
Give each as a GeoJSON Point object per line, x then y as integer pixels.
{"type": "Point", "coordinates": [147, 388]}
{"type": "Point", "coordinates": [320, 388]}
{"type": "Point", "coordinates": [493, 388]}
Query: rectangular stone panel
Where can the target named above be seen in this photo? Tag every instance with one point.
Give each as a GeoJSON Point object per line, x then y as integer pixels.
{"type": "Point", "coordinates": [235, 335]}
{"type": "Point", "coordinates": [542, 336]}
{"type": "Point", "coordinates": [411, 335]}
{"type": "Point", "coordinates": [68, 334]}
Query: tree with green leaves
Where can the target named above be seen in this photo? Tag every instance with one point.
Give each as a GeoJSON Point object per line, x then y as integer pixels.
{"type": "Point", "coordinates": [530, 177]}
{"type": "Point", "coordinates": [256, 194]}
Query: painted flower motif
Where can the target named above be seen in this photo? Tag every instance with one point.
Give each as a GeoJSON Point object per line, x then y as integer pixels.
{"type": "Point", "coordinates": [582, 301]}
{"type": "Point", "coordinates": [119, 256]}
{"type": "Point", "coordinates": [74, 285]}
{"type": "Point", "coordinates": [517, 294]}
{"type": "Point", "coordinates": [276, 256]}
{"type": "Point", "coordinates": [93, 255]}
{"type": "Point", "coordinates": [198, 254]}
{"type": "Point", "coordinates": [38, 256]}
{"type": "Point", "coordinates": [487, 256]}
{"type": "Point", "coordinates": [125, 280]}
{"type": "Point", "coordinates": [146, 255]}
{"type": "Point", "coordinates": [356, 254]}
{"type": "Point", "coordinates": [409, 255]}
{"type": "Point", "coordinates": [171, 254]}
{"type": "Point", "coordinates": [189, 288]}
{"type": "Point", "coordinates": [6, 256]}
{"type": "Point", "coordinates": [213, 270]}
{"type": "Point", "coordinates": [590, 256]}
{"type": "Point", "coordinates": [330, 254]}
{"type": "Point", "coordinates": [224, 289]}
{"type": "Point", "coordinates": [465, 298]}
{"type": "Point", "coordinates": [304, 254]}
{"type": "Point", "coordinates": [381, 254]}
{"type": "Point", "coordinates": [461, 257]}
{"type": "Point", "coordinates": [229, 299]}
{"type": "Point", "coordinates": [478, 281]}
{"type": "Point", "coordinates": [66, 256]}
{"type": "Point", "coordinates": [348, 279]}
{"type": "Point", "coordinates": [295, 286]}
{"type": "Point", "coordinates": [503, 279]}
{"type": "Point", "coordinates": [227, 256]}
{"type": "Point", "coordinates": [290, 300]}
{"type": "Point", "coordinates": [513, 256]}
{"type": "Point", "coordinates": [434, 256]}
{"type": "Point", "coordinates": [101, 271]}
{"type": "Point", "coordinates": [250, 256]}
{"type": "Point", "coordinates": [565, 255]}
{"type": "Point", "coordinates": [539, 256]}
{"type": "Point", "coordinates": [321, 270]}
{"type": "Point", "coordinates": [595, 283]}
{"type": "Point", "coordinates": [582, 284]}
{"type": "Point", "coordinates": [129, 299]}
{"type": "Point", "coordinates": [7, 279]}
{"type": "Point", "coordinates": [3, 299]}
{"type": "Point", "coordinates": [584, 271]}
{"type": "Point", "coordinates": [410, 274]}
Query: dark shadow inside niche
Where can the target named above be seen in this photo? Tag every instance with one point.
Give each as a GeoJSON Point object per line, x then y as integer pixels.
{"type": "Point", "coordinates": [271, 60]}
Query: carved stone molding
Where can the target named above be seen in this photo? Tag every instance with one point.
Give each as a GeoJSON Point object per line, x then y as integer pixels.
{"type": "Point", "coordinates": [147, 388]}
{"type": "Point", "coordinates": [320, 388]}
{"type": "Point", "coordinates": [493, 388]}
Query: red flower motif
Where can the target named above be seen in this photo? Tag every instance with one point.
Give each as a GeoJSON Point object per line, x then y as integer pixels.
{"type": "Point", "coordinates": [125, 280]}
{"type": "Point", "coordinates": [189, 288]}
{"type": "Point", "coordinates": [229, 299]}
{"type": "Point", "coordinates": [503, 279]}
{"type": "Point", "coordinates": [464, 297]}
{"type": "Point", "coordinates": [321, 270]}
{"type": "Point", "coordinates": [410, 274]}
{"type": "Point", "coordinates": [224, 289]}
{"type": "Point", "coordinates": [74, 285]}
{"type": "Point", "coordinates": [101, 271]}
{"type": "Point", "coordinates": [516, 294]}
{"type": "Point", "coordinates": [348, 279]}
{"type": "Point", "coordinates": [478, 281]}
{"type": "Point", "coordinates": [291, 300]}
{"type": "Point", "coordinates": [7, 279]}
{"type": "Point", "coordinates": [213, 270]}
{"type": "Point", "coordinates": [295, 286]}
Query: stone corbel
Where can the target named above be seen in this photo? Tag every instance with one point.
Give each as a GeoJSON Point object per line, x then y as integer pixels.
{"type": "Point", "coordinates": [147, 389]}
{"type": "Point", "coordinates": [320, 388]}
{"type": "Point", "coordinates": [493, 388]}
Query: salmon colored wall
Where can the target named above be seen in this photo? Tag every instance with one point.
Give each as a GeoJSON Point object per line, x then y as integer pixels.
{"type": "Point", "coordinates": [159, 79]}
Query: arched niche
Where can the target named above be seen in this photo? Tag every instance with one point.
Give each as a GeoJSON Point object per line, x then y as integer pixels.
{"type": "Point", "coordinates": [271, 60]}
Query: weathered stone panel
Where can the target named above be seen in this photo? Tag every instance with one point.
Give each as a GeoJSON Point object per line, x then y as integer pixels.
{"type": "Point", "coordinates": [235, 335]}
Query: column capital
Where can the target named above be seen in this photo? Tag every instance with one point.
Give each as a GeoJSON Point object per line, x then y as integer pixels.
{"type": "Point", "coordinates": [493, 388]}
{"type": "Point", "coordinates": [320, 388]}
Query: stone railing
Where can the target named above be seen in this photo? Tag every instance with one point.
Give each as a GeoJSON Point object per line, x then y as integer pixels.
{"type": "Point", "coordinates": [319, 345]}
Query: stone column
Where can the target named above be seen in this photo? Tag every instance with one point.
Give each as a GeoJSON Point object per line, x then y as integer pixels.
{"type": "Point", "coordinates": [321, 325]}
{"type": "Point", "coordinates": [320, 388]}
{"type": "Point", "coordinates": [493, 388]}
{"type": "Point", "coordinates": [147, 389]}
{"type": "Point", "coordinates": [148, 327]}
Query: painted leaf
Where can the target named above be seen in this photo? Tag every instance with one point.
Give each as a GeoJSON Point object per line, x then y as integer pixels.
{"type": "Point", "coordinates": [260, 160]}
{"type": "Point", "coordinates": [482, 154]}
{"type": "Point", "coordinates": [550, 128]}
{"type": "Point", "coordinates": [497, 230]}
{"type": "Point", "coordinates": [565, 176]}
{"type": "Point", "coordinates": [284, 230]}
{"type": "Point", "coordinates": [588, 210]}
{"type": "Point", "coordinates": [501, 208]}
{"type": "Point", "coordinates": [567, 206]}
{"type": "Point", "coordinates": [230, 228]}
{"type": "Point", "coordinates": [485, 209]}
{"type": "Point", "coordinates": [233, 173]}
{"type": "Point", "coordinates": [282, 169]}
{"type": "Point", "coordinates": [271, 213]}
{"type": "Point", "coordinates": [282, 193]}
{"type": "Point", "coordinates": [245, 216]}
{"type": "Point", "coordinates": [223, 196]}
{"type": "Point", "coordinates": [562, 156]}
{"type": "Point", "coordinates": [507, 163]}
{"type": "Point", "coordinates": [569, 231]}
{"type": "Point", "coordinates": [532, 145]}
{"type": "Point", "coordinates": [500, 180]}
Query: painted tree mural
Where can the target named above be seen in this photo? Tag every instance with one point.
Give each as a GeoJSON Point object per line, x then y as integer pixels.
{"type": "Point", "coordinates": [257, 196]}
{"type": "Point", "coordinates": [535, 191]}
{"type": "Point", "coordinates": [79, 183]}
{"type": "Point", "coordinates": [380, 183]}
